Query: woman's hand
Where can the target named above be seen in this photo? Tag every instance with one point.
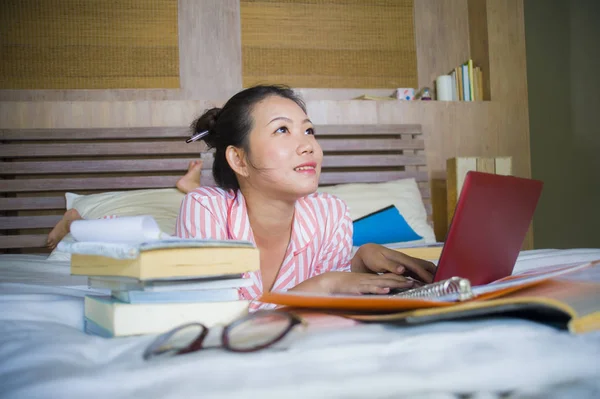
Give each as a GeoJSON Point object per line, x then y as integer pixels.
{"type": "Point", "coordinates": [354, 283]}
{"type": "Point", "coordinates": [374, 258]}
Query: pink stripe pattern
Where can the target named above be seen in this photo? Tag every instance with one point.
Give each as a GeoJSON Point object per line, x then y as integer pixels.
{"type": "Point", "coordinates": [321, 239]}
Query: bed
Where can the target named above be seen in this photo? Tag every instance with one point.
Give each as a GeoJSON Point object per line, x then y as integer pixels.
{"type": "Point", "coordinates": [44, 353]}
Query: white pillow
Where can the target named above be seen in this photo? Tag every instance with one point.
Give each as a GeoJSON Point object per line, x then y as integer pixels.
{"type": "Point", "coordinates": [162, 204]}
{"type": "Point", "coordinates": [365, 198]}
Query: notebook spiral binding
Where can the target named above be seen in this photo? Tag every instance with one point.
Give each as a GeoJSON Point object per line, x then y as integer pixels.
{"type": "Point", "coordinates": [461, 287]}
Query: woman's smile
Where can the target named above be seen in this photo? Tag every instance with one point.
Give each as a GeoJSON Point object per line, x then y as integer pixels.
{"type": "Point", "coordinates": [309, 168]}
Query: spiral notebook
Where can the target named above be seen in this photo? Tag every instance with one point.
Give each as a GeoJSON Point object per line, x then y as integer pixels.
{"type": "Point", "coordinates": [456, 289]}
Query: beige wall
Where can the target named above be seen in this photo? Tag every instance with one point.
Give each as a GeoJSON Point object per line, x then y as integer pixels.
{"type": "Point", "coordinates": [211, 71]}
{"type": "Point", "coordinates": [563, 60]}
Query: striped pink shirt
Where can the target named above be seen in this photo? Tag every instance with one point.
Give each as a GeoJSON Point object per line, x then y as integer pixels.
{"type": "Point", "coordinates": [321, 239]}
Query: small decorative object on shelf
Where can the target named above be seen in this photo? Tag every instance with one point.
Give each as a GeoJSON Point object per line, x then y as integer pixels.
{"type": "Point", "coordinates": [405, 94]}
{"type": "Point", "coordinates": [426, 94]}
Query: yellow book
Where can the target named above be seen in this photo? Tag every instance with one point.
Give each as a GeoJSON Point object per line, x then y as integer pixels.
{"type": "Point", "coordinates": [480, 84]}
{"type": "Point", "coordinates": [471, 80]}
{"type": "Point", "coordinates": [164, 259]}
{"type": "Point", "coordinates": [476, 85]}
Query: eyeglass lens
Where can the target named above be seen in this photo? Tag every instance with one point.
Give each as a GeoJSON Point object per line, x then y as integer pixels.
{"type": "Point", "coordinates": [258, 331]}
{"type": "Point", "coordinates": [179, 339]}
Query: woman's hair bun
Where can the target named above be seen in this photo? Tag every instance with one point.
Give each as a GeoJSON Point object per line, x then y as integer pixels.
{"type": "Point", "coordinates": [207, 122]}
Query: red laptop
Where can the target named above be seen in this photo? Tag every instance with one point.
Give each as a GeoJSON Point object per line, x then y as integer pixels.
{"type": "Point", "coordinates": [488, 228]}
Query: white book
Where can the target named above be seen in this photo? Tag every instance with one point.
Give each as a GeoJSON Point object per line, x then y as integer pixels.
{"type": "Point", "coordinates": [111, 317]}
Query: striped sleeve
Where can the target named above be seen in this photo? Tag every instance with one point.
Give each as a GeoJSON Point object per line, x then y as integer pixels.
{"type": "Point", "coordinates": [203, 215]}
{"type": "Point", "coordinates": [337, 249]}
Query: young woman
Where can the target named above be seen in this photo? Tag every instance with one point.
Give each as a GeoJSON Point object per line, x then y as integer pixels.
{"type": "Point", "coordinates": [267, 166]}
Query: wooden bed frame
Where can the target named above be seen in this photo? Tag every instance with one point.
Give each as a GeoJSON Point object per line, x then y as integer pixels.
{"type": "Point", "coordinates": [38, 166]}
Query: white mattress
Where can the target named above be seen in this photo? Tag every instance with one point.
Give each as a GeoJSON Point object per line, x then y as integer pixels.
{"type": "Point", "coordinates": [43, 353]}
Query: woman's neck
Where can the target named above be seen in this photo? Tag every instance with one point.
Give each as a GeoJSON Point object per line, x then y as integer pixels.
{"type": "Point", "coordinates": [271, 220]}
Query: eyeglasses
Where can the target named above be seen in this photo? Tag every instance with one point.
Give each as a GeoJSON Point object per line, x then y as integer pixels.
{"type": "Point", "coordinates": [250, 333]}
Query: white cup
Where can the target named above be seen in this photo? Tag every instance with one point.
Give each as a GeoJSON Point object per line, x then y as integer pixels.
{"type": "Point", "coordinates": [443, 87]}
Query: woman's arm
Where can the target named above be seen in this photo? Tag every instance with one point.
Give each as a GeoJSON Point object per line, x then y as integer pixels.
{"type": "Point", "coordinates": [353, 283]}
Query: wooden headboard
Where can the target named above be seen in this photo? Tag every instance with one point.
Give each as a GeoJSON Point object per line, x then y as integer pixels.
{"type": "Point", "coordinates": [38, 166]}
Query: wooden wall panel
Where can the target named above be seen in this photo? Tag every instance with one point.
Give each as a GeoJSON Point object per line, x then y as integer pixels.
{"type": "Point", "coordinates": [62, 114]}
{"type": "Point", "coordinates": [478, 41]}
{"type": "Point", "coordinates": [210, 48]}
{"type": "Point", "coordinates": [442, 37]}
{"type": "Point", "coordinates": [508, 79]}
{"type": "Point", "coordinates": [91, 95]}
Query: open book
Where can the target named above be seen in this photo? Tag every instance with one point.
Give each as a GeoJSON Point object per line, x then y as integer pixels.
{"type": "Point", "coordinates": [123, 230]}
{"type": "Point", "coordinates": [570, 293]}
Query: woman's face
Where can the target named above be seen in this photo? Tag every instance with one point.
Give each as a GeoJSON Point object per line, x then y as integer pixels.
{"type": "Point", "coordinates": [285, 158]}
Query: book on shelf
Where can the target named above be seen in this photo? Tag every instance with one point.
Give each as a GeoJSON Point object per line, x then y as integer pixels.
{"type": "Point", "coordinates": [109, 317]}
{"type": "Point", "coordinates": [569, 294]}
{"type": "Point", "coordinates": [471, 81]}
{"type": "Point", "coordinates": [454, 78]}
{"type": "Point", "coordinates": [479, 80]}
{"type": "Point", "coordinates": [459, 83]}
{"type": "Point", "coordinates": [467, 81]}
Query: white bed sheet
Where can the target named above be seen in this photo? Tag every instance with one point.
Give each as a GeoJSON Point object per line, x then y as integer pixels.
{"type": "Point", "coordinates": [43, 352]}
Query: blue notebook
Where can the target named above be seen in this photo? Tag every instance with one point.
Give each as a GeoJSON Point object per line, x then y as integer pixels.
{"type": "Point", "coordinates": [383, 227]}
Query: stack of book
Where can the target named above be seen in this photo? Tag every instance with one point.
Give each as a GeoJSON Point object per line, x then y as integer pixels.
{"type": "Point", "coordinates": [160, 285]}
{"type": "Point", "coordinates": [467, 82]}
